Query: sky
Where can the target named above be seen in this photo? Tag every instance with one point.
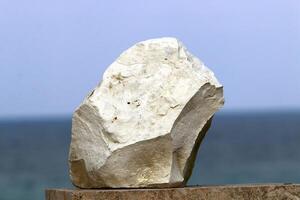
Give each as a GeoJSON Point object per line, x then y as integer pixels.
{"type": "Point", "coordinates": [52, 53]}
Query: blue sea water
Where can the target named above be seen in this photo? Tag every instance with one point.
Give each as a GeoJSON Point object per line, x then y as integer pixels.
{"type": "Point", "coordinates": [239, 148]}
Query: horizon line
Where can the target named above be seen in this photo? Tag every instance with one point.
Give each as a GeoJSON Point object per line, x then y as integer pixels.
{"type": "Point", "coordinates": [55, 117]}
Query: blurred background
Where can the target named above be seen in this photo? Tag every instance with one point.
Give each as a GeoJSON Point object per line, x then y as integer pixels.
{"type": "Point", "coordinates": [52, 53]}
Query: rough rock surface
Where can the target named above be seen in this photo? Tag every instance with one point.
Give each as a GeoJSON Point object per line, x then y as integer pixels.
{"type": "Point", "coordinates": [143, 124]}
{"type": "Point", "coordinates": [226, 192]}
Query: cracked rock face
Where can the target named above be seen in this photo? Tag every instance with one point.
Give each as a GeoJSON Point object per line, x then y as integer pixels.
{"type": "Point", "coordinates": [143, 124]}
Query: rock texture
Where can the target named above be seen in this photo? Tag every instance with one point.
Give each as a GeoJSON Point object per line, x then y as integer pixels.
{"type": "Point", "coordinates": [143, 124]}
{"type": "Point", "coordinates": [257, 192]}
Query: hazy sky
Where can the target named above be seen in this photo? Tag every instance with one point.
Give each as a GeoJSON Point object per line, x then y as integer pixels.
{"type": "Point", "coordinates": [52, 53]}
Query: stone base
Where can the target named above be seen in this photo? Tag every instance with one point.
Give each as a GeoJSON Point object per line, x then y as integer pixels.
{"type": "Point", "coordinates": [270, 191]}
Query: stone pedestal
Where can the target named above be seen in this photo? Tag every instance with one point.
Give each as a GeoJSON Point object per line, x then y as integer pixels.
{"type": "Point", "coordinates": [269, 191]}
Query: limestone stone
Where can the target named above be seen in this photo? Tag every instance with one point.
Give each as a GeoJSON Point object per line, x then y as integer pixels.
{"type": "Point", "coordinates": [143, 124]}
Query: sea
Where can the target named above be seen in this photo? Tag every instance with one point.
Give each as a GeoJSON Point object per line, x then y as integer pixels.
{"type": "Point", "coordinates": [240, 148]}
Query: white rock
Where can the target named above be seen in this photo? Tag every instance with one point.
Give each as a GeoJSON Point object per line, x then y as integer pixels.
{"type": "Point", "coordinates": [143, 124]}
